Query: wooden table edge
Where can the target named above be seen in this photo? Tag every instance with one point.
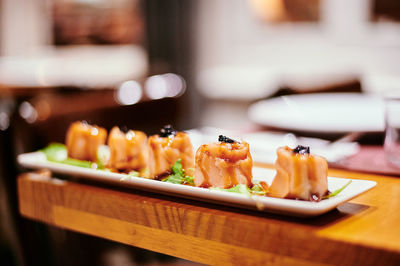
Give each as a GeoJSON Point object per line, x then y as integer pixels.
{"type": "Point", "coordinates": [200, 232]}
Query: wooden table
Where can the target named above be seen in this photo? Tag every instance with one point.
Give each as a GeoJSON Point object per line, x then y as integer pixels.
{"type": "Point", "coordinates": [364, 231]}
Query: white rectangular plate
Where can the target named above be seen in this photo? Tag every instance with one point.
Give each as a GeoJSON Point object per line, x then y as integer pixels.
{"type": "Point", "coordinates": [37, 160]}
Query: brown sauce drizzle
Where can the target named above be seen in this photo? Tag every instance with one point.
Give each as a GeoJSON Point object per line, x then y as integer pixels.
{"type": "Point", "coordinates": [313, 197]}
{"type": "Point", "coordinates": [163, 175]}
{"type": "Point", "coordinates": [205, 185]}
{"type": "Point", "coordinates": [264, 186]}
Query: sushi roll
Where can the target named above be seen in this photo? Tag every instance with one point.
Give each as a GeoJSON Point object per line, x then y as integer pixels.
{"type": "Point", "coordinates": [223, 164]}
{"type": "Point", "coordinates": [83, 140]}
{"type": "Point", "coordinates": [166, 148]}
{"type": "Point", "coordinates": [300, 175]}
{"type": "Point", "coordinates": [128, 151]}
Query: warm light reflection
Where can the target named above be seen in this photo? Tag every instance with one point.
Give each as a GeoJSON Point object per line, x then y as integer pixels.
{"type": "Point", "coordinates": [130, 92]}
{"type": "Point", "coordinates": [43, 109]}
{"type": "Point", "coordinates": [156, 87]}
{"type": "Point", "coordinates": [28, 112]}
{"type": "Point", "coordinates": [166, 85]}
{"type": "Point", "coordinates": [4, 121]}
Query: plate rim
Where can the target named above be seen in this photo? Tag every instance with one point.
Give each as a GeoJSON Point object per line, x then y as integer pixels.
{"type": "Point", "coordinates": [37, 160]}
{"type": "Point", "coordinates": [252, 113]}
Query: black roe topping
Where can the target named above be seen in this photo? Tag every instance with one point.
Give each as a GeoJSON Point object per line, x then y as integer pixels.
{"type": "Point", "coordinates": [225, 139]}
{"type": "Point", "coordinates": [167, 131]}
{"type": "Point", "coordinates": [301, 149]}
{"type": "Point", "coordinates": [124, 129]}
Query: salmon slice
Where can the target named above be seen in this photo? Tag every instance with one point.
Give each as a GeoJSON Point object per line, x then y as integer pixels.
{"type": "Point", "coordinates": [128, 151]}
{"type": "Point", "coordinates": [165, 149]}
{"type": "Point", "coordinates": [300, 175]}
{"type": "Point", "coordinates": [280, 188]}
{"type": "Point", "coordinates": [223, 164]}
{"type": "Point", "coordinates": [83, 140]}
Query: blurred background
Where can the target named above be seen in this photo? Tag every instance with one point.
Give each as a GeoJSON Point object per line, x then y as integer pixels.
{"type": "Point", "coordinates": [205, 66]}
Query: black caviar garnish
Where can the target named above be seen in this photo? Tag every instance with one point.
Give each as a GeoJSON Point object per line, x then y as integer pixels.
{"type": "Point", "coordinates": [124, 129]}
{"type": "Point", "coordinates": [301, 149]}
{"type": "Point", "coordinates": [225, 139]}
{"type": "Point", "coordinates": [167, 131]}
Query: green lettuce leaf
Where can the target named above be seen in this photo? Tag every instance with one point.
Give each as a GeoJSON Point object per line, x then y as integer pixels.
{"type": "Point", "coordinates": [240, 188]}
{"type": "Point", "coordinates": [75, 162]}
{"type": "Point", "coordinates": [244, 190]}
{"type": "Point", "coordinates": [130, 175]}
{"type": "Point", "coordinates": [57, 152]}
{"type": "Point", "coordinates": [103, 156]}
{"type": "Point", "coordinates": [189, 180]}
{"type": "Point", "coordinates": [175, 179]}
{"type": "Point", "coordinates": [178, 175]}
{"type": "Point", "coordinates": [176, 168]}
{"type": "Point", "coordinates": [337, 191]}
{"type": "Point", "coordinates": [257, 190]}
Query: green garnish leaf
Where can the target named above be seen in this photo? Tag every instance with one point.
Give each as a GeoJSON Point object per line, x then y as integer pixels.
{"type": "Point", "coordinates": [55, 152]}
{"type": "Point", "coordinates": [337, 191]}
{"type": "Point", "coordinates": [175, 179]}
{"type": "Point", "coordinates": [244, 190]}
{"type": "Point", "coordinates": [176, 168]}
{"type": "Point", "coordinates": [178, 175]}
{"type": "Point", "coordinates": [133, 173]}
{"type": "Point", "coordinates": [103, 156]}
{"type": "Point", "coordinates": [75, 162]}
{"type": "Point", "coordinates": [130, 175]}
{"type": "Point", "coordinates": [240, 188]}
{"type": "Point", "coordinates": [189, 180]}
{"type": "Point", "coordinates": [257, 190]}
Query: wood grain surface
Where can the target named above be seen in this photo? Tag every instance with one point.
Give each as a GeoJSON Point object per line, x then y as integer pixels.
{"type": "Point", "coordinates": [363, 231]}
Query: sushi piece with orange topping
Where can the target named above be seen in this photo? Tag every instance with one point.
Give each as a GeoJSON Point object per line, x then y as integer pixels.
{"type": "Point", "coordinates": [83, 140]}
{"type": "Point", "coordinates": [128, 151]}
{"type": "Point", "coordinates": [166, 148]}
{"type": "Point", "coordinates": [300, 175]}
{"type": "Point", "coordinates": [224, 164]}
